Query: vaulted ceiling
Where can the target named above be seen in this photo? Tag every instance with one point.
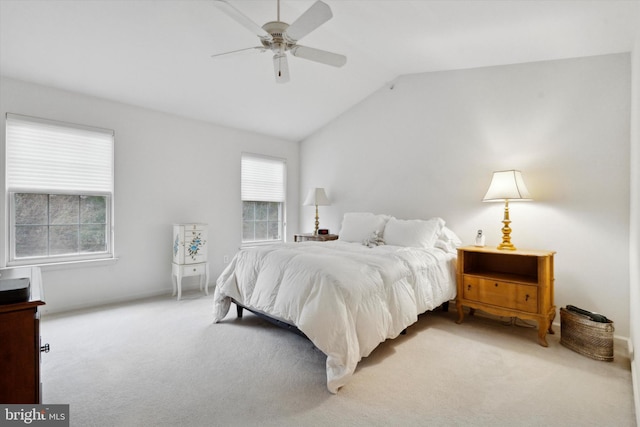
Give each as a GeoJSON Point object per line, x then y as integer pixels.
{"type": "Point", "coordinates": [157, 54]}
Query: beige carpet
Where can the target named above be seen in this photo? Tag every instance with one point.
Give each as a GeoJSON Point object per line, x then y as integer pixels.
{"type": "Point", "coordinates": [161, 362]}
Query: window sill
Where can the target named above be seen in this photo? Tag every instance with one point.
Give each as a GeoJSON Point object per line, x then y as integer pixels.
{"type": "Point", "coordinates": [261, 243]}
{"type": "Point", "coordinates": [63, 265]}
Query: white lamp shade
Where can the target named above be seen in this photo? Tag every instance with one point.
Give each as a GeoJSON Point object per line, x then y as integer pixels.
{"type": "Point", "coordinates": [506, 185]}
{"type": "Point", "coordinates": [317, 197]}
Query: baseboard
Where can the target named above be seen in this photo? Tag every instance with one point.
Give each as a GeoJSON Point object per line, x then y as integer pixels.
{"type": "Point", "coordinates": [635, 380]}
{"type": "Point", "coordinates": [105, 302]}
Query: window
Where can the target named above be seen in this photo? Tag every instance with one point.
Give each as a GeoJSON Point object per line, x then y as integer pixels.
{"type": "Point", "coordinates": [59, 189]}
{"type": "Point", "coordinates": [263, 199]}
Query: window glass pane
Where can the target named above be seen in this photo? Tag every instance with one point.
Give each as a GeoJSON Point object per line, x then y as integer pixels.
{"type": "Point", "coordinates": [93, 210]}
{"type": "Point", "coordinates": [248, 231]}
{"type": "Point", "coordinates": [31, 240]}
{"type": "Point", "coordinates": [248, 211]}
{"type": "Point", "coordinates": [274, 211]}
{"type": "Point", "coordinates": [93, 238]}
{"type": "Point", "coordinates": [261, 230]}
{"type": "Point", "coordinates": [262, 221]}
{"type": "Point", "coordinates": [274, 230]}
{"type": "Point", "coordinates": [63, 209]}
{"type": "Point", "coordinates": [63, 239]}
{"type": "Point", "coordinates": [262, 211]}
{"type": "Point", "coordinates": [74, 225]}
{"type": "Point", "coordinates": [31, 208]}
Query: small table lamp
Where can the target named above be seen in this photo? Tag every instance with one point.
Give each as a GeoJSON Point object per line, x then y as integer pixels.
{"type": "Point", "coordinates": [317, 197]}
{"type": "Point", "coordinates": [505, 186]}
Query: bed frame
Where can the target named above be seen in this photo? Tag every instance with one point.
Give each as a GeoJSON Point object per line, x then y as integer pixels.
{"type": "Point", "coordinates": [292, 328]}
{"type": "Point", "coordinates": [280, 323]}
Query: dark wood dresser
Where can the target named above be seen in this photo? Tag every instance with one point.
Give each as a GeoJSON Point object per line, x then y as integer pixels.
{"type": "Point", "coordinates": [20, 349]}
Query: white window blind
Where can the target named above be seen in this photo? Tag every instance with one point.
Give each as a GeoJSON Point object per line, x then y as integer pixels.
{"type": "Point", "coordinates": [262, 179]}
{"type": "Point", "coordinates": [47, 156]}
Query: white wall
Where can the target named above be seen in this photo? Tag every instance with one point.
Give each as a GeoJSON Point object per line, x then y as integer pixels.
{"type": "Point", "coordinates": [427, 145]}
{"type": "Point", "coordinates": [634, 235]}
{"type": "Point", "coordinates": [167, 170]}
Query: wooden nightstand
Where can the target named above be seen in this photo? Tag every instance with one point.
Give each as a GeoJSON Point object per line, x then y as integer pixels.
{"type": "Point", "coordinates": [314, 237]}
{"type": "Point", "coordinates": [507, 283]}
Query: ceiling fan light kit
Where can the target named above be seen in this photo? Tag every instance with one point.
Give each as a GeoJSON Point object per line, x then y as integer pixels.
{"type": "Point", "coordinates": [280, 37]}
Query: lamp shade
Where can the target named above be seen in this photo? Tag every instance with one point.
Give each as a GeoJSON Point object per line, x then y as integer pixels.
{"type": "Point", "coordinates": [506, 185]}
{"type": "Point", "coordinates": [317, 197]}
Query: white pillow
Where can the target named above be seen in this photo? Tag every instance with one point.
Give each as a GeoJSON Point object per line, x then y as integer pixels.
{"type": "Point", "coordinates": [415, 233]}
{"type": "Point", "coordinates": [448, 241]}
{"type": "Point", "coordinates": [358, 226]}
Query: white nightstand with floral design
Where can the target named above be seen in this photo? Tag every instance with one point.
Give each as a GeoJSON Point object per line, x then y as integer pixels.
{"type": "Point", "coordinates": [189, 255]}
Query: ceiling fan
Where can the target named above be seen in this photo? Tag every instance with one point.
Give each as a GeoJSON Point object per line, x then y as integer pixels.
{"type": "Point", "coordinates": [280, 37]}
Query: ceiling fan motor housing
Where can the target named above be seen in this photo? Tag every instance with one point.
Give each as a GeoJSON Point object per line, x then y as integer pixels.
{"type": "Point", "coordinates": [280, 42]}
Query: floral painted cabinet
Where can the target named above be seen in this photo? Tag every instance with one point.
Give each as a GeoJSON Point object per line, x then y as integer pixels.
{"type": "Point", "coordinates": [189, 243]}
{"type": "Point", "coordinates": [189, 255]}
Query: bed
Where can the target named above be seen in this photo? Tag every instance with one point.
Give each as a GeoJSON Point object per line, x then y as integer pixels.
{"type": "Point", "coordinates": [348, 295]}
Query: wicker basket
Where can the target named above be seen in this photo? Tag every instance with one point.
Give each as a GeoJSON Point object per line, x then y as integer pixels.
{"type": "Point", "coordinates": [581, 334]}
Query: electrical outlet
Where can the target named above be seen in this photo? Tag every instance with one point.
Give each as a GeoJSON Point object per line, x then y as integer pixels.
{"type": "Point", "coordinates": [225, 259]}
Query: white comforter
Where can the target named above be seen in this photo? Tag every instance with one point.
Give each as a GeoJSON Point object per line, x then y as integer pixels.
{"type": "Point", "coordinates": [345, 297]}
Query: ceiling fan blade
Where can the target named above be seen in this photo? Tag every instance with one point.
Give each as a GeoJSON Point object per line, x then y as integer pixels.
{"type": "Point", "coordinates": [243, 20]}
{"type": "Point", "coordinates": [312, 18]}
{"type": "Point", "coordinates": [260, 48]}
{"type": "Point", "coordinates": [317, 55]}
{"type": "Point", "coordinates": [281, 67]}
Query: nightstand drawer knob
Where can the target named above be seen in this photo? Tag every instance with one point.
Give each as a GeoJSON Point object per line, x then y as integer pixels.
{"type": "Point", "coordinates": [526, 298]}
{"type": "Point", "coordinates": [496, 285]}
{"type": "Point", "coordinates": [468, 287]}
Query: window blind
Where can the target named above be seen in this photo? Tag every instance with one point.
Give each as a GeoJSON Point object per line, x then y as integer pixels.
{"type": "Point", "coordinates": [263, 179]}
{"type": "Point", "coordinates": [47, 156]}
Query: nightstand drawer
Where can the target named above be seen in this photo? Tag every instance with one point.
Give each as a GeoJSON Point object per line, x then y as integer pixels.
{"type": "Point", "coordinates": [193, 269]}
{"type": "Point", "coordinates": [516, 296]}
